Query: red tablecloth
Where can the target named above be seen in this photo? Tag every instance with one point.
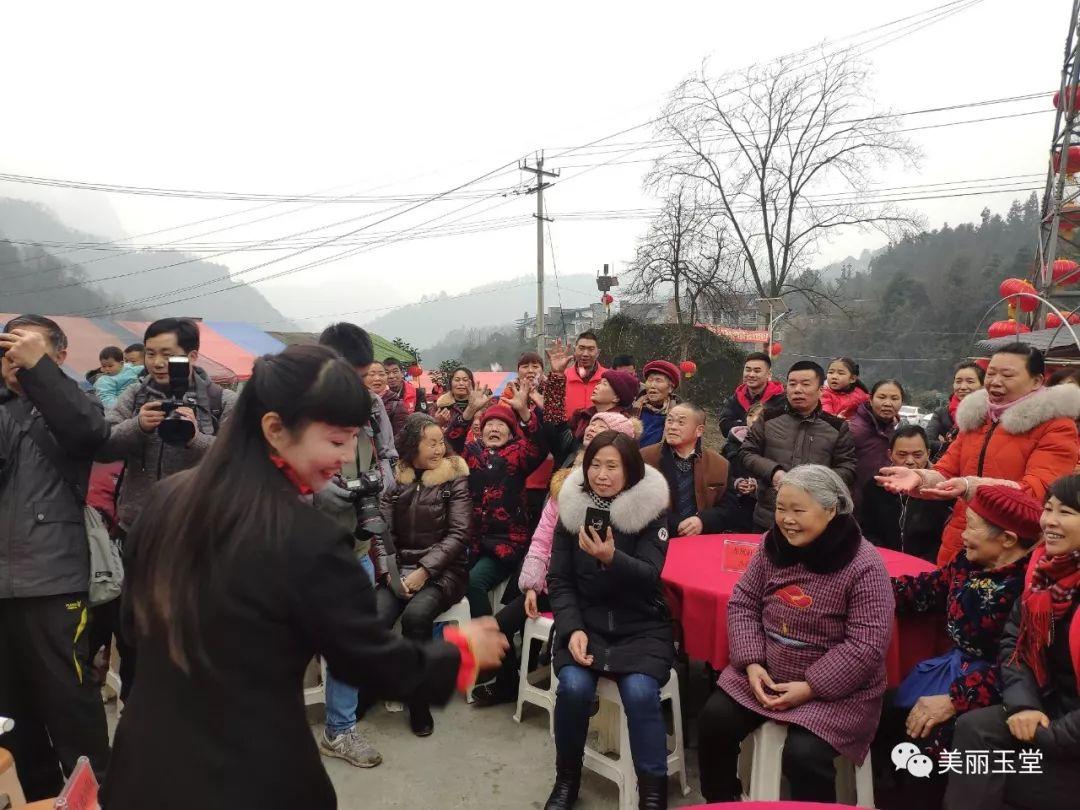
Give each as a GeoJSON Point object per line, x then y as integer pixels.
{"type": "Point", "coordinates": [698, 589]}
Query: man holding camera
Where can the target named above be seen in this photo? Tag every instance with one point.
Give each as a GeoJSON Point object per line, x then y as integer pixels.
{"type": "Point", "coordinates": [354, 502]}
{"type": "Point", "coordinates": [49, 432]}
{"type": "Point", "coordinates": [167, 422]}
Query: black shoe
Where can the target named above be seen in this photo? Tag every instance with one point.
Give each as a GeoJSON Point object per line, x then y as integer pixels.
{"type": "Point", "coordinates": [567, 783]}
{"type": "Point", "coordinates": [493, 694]}
{"type": "Point", "coordinates": [652, 791]}
{"type": "Point", "coordinates": [420, 720]}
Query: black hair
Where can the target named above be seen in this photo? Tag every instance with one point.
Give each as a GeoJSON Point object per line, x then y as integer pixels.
{"type": "Point", "coordinates": [57, 339]}
{"type": "Point", "coordinates": [852, 367]}
{"type": "Point", "coordinates": [1065, 374]}
{"type": "Point", "coordinates": [92, 375]}
{"type": "Point", "coordinates": [588, 334]}
{"type": "Point", "coordinates": [889, 381]}
{"type": "Point", "coordinates": [809, 365]}
{"type": "Point", "coordinates": [620, 360]}
{"type": "Point", "coordinates": [528, 358]}
{"type": "Point", "coordinates": [1034, 360]}
{"type": "Point", "coordinates": [351, 342]}
{"type": "Point", "coordinates": [1066, 490]}
{"type": "Point", "coordinates": [629, 453]}
{"type": "Point", "coordinates": [908, 431]}
{"type": "Point", "coordinates": [198, 522]}
{"type": "Point", "coordinates": [466, 369]}
{"type": "Point", "coordinates": [185, 329]}
{"type": "Point", "coordinates": [980, 372]}
{"type": "Point", "coordinates": [135, 347]}
{"type": "Point", "coordinates": [393, 361]}
{"type": "Point", "coordinates": [111, 353]}
{"type": "Point", "coordinates": [407, 442]}
{"type": "Point", "coordinates": [696, 410]}
{"type": "Point", "coordinates": [762, 356]}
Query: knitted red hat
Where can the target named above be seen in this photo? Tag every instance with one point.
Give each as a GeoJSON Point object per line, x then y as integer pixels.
{"type": "Point", "coordinates": [669, 370]}
{"type": "Point", "coordinates": [626, 386]}
{"type": "Point", "coordinates": [1010, 509]}
{"type": "Point", "coordinates": [503, 414]}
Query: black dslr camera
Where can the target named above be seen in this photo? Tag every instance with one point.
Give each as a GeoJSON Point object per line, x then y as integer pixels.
{"type": "Point", "coordinates": [176, 429]}
{"type": "Point", "coordinates": [365, 489]}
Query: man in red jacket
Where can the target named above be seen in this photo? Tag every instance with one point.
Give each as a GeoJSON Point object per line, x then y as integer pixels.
{"type": "Point", "coordinates": [757, 386]}
{"type": "Point", "coordinates": [584, 374]}
{"type": "Point", "coordinates": [395, 376]}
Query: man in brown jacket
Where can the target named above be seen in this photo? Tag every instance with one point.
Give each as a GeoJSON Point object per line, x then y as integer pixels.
{"type": "Point", "coordinates": [696, 477]}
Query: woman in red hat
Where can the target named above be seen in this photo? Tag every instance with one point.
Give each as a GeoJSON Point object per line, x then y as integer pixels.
{"type": "Point", "coordinates": [661, 382]}
{"type": "Point", "coordinates": [1038, 727]}
{"type": "Point", "coordinates": [975, 593]}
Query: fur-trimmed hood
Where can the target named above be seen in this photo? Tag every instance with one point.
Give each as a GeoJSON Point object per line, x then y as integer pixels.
{"type": "Point", "coordinates": [558, 478]}
{"type": "Point", "coordinates": [631, 511]}
{"type": "Point", "coordinates": [1061, 401]}
{"type": "Point", "coordinates": [449, 469]}
{"type": "Point", "coordinates": [445, 400]}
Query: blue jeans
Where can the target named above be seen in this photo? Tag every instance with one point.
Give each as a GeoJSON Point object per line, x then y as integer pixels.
{"type": "Point", "coordinates": [341, 698]}
{"type": "Point", "coordinates": [641, 702]}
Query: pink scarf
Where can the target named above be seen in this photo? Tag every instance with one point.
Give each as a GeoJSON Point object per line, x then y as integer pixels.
{"type": "Point", "coordinates": [996, 411]}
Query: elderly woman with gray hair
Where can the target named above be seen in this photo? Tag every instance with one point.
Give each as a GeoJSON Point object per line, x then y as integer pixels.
{"type": "Point", "coordinates": [808, 626]}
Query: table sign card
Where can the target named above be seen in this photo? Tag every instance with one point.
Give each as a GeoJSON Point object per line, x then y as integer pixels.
{"type": "Point", "coordinates": [81, 790]}
{"type": "Point", "coordinates": [738, 553]}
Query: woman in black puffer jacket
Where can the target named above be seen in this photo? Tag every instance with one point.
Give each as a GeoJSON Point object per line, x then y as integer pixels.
{"type": "Point", "coordinates": [610, 615]}
{"type": "Point", "coordinates": [428, 510]}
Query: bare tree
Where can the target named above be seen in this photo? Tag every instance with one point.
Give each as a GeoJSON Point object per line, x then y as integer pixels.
{"type": "Point", "coordinates": [686, 252]}
{"type": "Point", "coordinates": [784, 153]}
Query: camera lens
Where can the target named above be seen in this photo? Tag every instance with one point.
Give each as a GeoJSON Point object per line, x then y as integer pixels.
{"type": "Point", "coordinates": [176, 430]}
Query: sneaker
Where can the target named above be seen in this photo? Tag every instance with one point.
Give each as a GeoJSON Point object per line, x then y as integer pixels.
{"type": "Point", "coordinates": [493, 694]}
{"type": "Point", "coordinates": [352, 746]}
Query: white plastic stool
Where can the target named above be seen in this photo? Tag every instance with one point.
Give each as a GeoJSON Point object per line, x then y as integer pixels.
{"type": "Point", "coordinates": [495, 595]}
{"type": "Point", "coordinates": [538, 629]}
{"type": "Point", "coordinates": [765, 749]}
{"type": "Point", "coordinates": [457, 614]}
{"type": "Point", "coordinates": [621, 770]}
{"type": "Point", "coordinates": [317, 694]}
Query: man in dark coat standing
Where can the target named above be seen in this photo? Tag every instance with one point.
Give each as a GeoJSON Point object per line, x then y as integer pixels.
{"type": "Point", "coordinates": [49, 432]}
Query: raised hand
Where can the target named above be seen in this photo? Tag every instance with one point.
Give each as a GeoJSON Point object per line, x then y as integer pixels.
{"type": "Point", "coordinates": [558, 357]}
{"type": "Point", "coordinates": [899, 480]}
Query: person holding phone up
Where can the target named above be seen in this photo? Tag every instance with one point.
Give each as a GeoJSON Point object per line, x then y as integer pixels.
{"type": "Point", "coordinates": [610, 616]}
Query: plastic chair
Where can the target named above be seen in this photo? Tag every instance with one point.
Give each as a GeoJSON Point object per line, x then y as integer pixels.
{"type": "Point", "coordinates": [316, 694]}
{"type": "Point", "coordinates": [620, 770]}
{"type": "Point", "coordinates": [765, 751]}
{"type": "Point", "coordinates": [538, 629]}
{"type": "Point", "coordinates": [457, 614]}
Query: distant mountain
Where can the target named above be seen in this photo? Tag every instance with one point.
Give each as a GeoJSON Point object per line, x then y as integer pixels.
{"type": "Point", "coordinates": [39, 272]}
{"type": "Point", "coordinates": [832, 272]}
{"type": "Point", "coordinates": [429, 321]}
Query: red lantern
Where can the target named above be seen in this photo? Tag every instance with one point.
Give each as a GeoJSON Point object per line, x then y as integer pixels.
{"type": "Point", "coordinates": [999, 329]}
{"type": "Point", "coordinates": [1065, 271]}
{"type": "Point", "coordinates": [1053, 321]}
{"type": "Point", "coordinates": [1069, 219]}
{"type": "Point", "coordinates": [607, 300]}
{"type": "Point", "coordinates": [1072, 95]}
{"type": "Point", "coordinates": [688, 368]}
{"type": "Point", "coordinates": [775, 349]}
{"type": "Point", "coordinates": [415, 371]}
{"type": "Point", "coordinates": [1014, 286]}
{"type": "Point", "coordinates": [1072, 165]}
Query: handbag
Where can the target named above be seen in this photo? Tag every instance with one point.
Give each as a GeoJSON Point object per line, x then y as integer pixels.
{"type": "Point", "coordinates": [106, 563]}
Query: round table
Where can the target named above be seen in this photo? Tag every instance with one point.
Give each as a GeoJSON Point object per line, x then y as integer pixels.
{"type": "Point", "coordinates": [698, 589]}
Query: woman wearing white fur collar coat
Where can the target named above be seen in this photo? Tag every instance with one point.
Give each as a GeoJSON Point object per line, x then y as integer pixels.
{"type": "Point", "coordinates": [611, 619]}
{"type": "Point", "coordinates": [1014, 431]}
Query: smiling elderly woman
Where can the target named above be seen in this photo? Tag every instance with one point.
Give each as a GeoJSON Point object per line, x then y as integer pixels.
{"type": "Point", "coordinates": [808, 623]}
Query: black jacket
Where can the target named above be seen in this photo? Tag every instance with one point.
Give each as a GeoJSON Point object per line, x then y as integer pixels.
{"type": "Point", "coordinates": [1059, 700]}
{"type": "Point", "coordinates": [621, 608]}
{"type": "Point", "coordinates": [940, 424]}
{"type": "Point", "coordinates": [43, 549]}
{"type": "Point", "coordinates": [910, 525]}
{"type": "Point", "coordinates": [237, 736]}
{"type": "Point", "coordinates": [736, 511]}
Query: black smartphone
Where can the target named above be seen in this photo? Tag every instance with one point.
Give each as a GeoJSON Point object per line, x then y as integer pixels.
{"type": "Point", "coordinates": [598, 520]}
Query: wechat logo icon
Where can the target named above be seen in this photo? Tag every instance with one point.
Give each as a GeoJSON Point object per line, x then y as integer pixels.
{"type": "Point", "coordinates": [907, 757]}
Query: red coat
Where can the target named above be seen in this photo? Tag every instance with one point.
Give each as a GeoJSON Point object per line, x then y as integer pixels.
{"type": "Point", "coordinates": [1034, 444]}
{"type": "Point", "coordinates": [842, 403]}
{"type": "Point", "coordinates": [579, 392]}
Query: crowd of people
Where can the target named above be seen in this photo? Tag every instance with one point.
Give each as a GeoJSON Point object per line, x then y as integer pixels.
{"type": "Point", "coordinates": [332, 499]}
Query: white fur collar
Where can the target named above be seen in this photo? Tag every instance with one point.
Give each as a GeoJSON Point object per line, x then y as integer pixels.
{"type": "Point", "coordinates": [631, 511]}
{"type": "Point", "coordinates": [449, 468]}
{"type": "Point", "coordinates": [1050, 403]}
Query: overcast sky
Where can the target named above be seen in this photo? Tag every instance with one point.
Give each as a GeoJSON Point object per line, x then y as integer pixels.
{"type": "Point", "coordinates": [410, 98]}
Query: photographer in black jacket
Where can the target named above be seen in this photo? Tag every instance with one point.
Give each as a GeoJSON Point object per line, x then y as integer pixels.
{"type": "Point", "coordinates": [49, 432]}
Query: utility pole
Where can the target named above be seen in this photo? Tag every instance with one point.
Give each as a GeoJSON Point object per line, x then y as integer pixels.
{"type": "Point", "coordinates": [538, 170]}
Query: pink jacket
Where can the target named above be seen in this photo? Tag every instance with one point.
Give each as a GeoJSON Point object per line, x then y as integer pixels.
{"type": "Point", "coordinates": [534, 569]}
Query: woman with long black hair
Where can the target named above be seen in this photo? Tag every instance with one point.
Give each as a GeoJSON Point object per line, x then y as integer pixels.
{"type": "Point", "coordinates": [235, 583]}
